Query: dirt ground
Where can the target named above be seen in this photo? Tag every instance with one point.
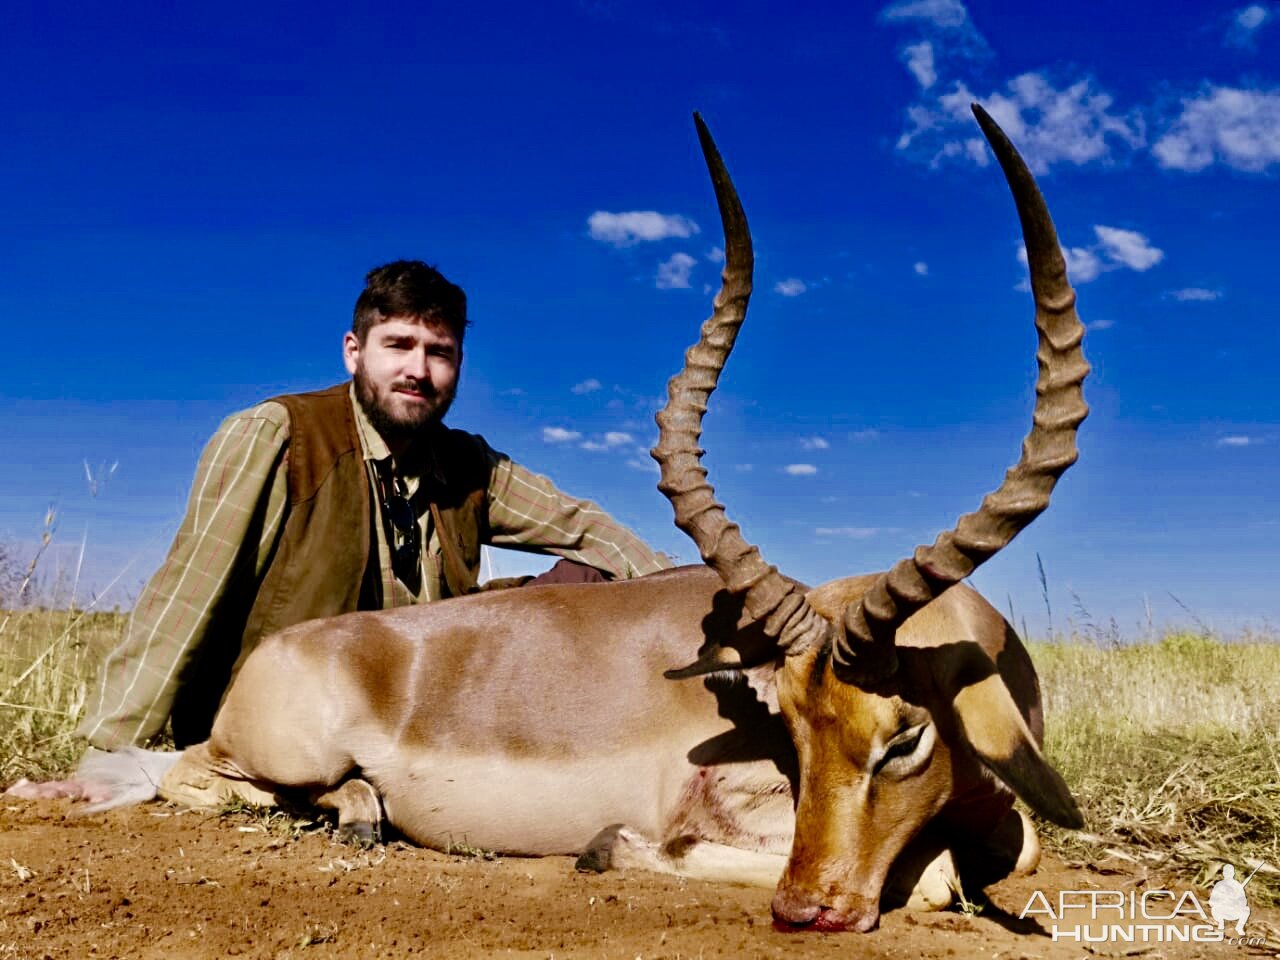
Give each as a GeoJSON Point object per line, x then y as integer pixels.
{"type": "Point", "coordinates": [156, 882]}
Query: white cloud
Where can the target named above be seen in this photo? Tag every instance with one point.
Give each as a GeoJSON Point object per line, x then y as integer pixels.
{"type": "Point", "coordinates": [800, 469]}
{"type": "Point", "coordinates": [1083, 265]}
{"type": "Point", "coordinates": [586, 386]}
{"type": "Point", "coordinates": [638, 226]}
{"type": "Point", "coordinates": [1236, 127]}
{"type": "Point", "coordinates": [854, 533]}
{"type": "Point", "coordinates": [743, 467]}
{"type": "Point", "coordinates": [1100, 325]}
{"type": "Point", "coordinates": [611, 441]}
{"type": "Point", "coordinates": [814, 443]}
{"type": "Point", "coordinates": [1074, 124]}
{"type": "Point", "coordinates": [1128, 248]}
{"type": "Point", "coordinates": [921, 268]}
{"type": "Point", "coordinates": [1244, 25]}
{"type": "Point", "coordinates": [673, 274]}
{"type": "Point", "coordinates": [1195, 294]}
{"type": "Point", "coordinates": [945, 37]}
{"type": "Point", "coordinates": [919, 60]}
{"type": "Point", "coordinates": [715, 255]}
{"type": "Point", "coordinates": [946, 14]}
{"type": "Point", "coordinates": [1236, 441]}
{"type": "Point", "coordinates": [791, 287]}
{"type": "Point", "coordinates": [559, 435]}
{"type": "Point", "coordinates": [1252, 17]}
{"type": "Point", "coordinates": [1115, 248]}
{"type": "Point", "coordinates": [647, 466]}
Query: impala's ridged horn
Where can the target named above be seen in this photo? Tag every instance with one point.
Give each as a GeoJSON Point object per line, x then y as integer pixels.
{"type": "Point", "coordinates": [865, 653]}
{"type": "Point", "coordinates": [767, 595]}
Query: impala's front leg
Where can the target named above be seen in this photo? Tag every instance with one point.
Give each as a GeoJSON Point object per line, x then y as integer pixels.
{"type": "Point", "coordinates": [619, 847]}
{"type": "Point", "coordinates": [358, 807]}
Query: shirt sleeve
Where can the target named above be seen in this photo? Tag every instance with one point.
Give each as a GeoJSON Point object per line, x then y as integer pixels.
{"type": "Point", "coordinates": [528, 512]}
{"type": "Point", "coordinates": [238, 496]}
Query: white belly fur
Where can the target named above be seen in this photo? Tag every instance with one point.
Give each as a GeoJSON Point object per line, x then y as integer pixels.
{"type": "Point", "coordinates": [533, 806]}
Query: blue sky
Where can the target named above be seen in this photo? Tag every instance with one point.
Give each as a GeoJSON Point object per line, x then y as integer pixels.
{"type": "Point", "coordinates": [192, 197]}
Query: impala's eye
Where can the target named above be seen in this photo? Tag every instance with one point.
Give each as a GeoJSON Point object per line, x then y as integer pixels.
{"type": "Point", "coordinates": [900, 753]}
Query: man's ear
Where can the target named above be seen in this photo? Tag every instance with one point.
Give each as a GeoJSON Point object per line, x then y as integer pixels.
{"type": "Point", "coordinates": [350, 351]}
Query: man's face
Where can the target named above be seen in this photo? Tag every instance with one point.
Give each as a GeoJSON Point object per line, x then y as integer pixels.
{"type": "Point", "coordinates": [406, 375]}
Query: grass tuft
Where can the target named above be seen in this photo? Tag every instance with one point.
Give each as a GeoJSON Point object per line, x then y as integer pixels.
{"type": "Point", "coordinates": [461, 848]}
{"type": "Point", "coordinates": [283, 823]}
{"type": "Point", "coordinates": [48, 658]}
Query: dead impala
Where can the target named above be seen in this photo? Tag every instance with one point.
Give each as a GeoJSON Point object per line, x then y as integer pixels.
{"type": "Point", "coordinates": [837, 731]}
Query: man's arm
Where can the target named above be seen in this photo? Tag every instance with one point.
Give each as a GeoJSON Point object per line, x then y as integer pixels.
{"type": "Point", "coordinates": [239, 493]}
{"type": "Point", "coordinates": [527, 512]}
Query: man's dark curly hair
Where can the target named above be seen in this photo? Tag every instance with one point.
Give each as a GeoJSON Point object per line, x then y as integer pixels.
{"type": "Point", "coordinates": [413, 289]}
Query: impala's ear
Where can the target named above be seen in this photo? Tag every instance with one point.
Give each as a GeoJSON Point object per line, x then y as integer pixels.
{"type": "Point", "coordinates": [710, 660]}
{"type": "Point", "coordinates": [992, 724]}
{"type": "Point", "coordinates": [731, 641]}
{"type": "Point", "coordinates": [716, 658]}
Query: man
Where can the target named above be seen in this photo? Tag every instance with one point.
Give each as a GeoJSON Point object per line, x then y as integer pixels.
{"type": "Point", "coordinates": [352, 498]}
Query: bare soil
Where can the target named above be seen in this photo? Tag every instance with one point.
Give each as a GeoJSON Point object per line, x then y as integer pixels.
{"type": "Point", "coordinates": [156, 882]}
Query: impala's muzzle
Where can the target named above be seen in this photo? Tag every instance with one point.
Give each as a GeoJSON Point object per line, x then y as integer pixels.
{"type": "Point", "coordinates": [796, 911]}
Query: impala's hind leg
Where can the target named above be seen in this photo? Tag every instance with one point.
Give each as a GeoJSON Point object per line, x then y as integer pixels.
{"type": "Point", "coordinates": [359, 811]}
{"type": "Point", "coordinates": [199, 779]}
{"type": "Point", "coordinates": [619, 847]}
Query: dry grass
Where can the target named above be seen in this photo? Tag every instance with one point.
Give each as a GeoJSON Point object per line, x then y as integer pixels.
{"type": "Point", "coordinates": [1173, 749]}
{"type": "Point", "coordinates": [47, 660]}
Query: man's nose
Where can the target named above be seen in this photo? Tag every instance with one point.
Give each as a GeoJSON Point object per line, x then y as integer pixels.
{"type": "Point", "coordinates": [416, 366]}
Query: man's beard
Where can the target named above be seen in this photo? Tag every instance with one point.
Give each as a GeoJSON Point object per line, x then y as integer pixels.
{"type": "Point", "coordinates": [416, 423]}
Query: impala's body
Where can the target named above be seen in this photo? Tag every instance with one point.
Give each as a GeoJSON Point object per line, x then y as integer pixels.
{"type": "Point", "coordinates": [527, 721]}
{"type": "Point", "coordinates": [874, 721]}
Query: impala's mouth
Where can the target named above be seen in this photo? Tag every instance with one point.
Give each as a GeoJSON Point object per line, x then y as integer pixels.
{"type": "Point", "coordinates": [795, 911]}
{"type": "Point", "coordinates": [827, 920]}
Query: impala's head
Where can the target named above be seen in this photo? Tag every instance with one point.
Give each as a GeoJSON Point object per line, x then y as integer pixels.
{"type": "Point", "coordinates": [884, 731]}
{"type": "Point", "coordinates": [878, 761]}
{"type": "Point", "coordinates": [873, 772]}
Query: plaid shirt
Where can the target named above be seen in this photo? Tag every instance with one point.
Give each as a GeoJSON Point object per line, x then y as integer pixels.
{"type": "Point", "coordinates": [240, 494]}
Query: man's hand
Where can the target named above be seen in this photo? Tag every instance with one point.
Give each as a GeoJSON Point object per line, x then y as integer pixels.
{"type": "Point", "coordinates": [104, 780]}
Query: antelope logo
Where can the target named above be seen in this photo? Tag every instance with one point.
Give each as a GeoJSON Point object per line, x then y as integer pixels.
{"type": "Point", "coordinates": [853, 744]}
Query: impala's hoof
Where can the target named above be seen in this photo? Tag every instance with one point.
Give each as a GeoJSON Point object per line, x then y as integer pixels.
{"type": "Point", "coordinates": [598, 857]}
{"type": "Point", "coordinates": [360, 832]}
